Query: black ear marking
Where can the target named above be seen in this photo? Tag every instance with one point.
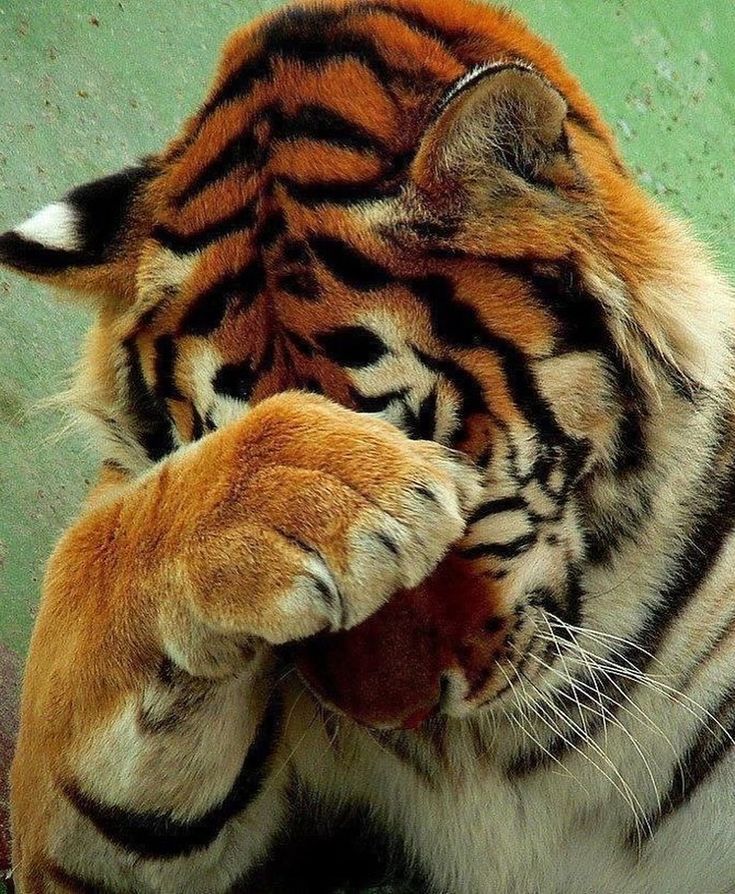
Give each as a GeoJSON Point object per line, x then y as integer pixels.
{"type": "Point", "coordinates": [102, 206]}
{"type": "Point", "coordinates": [34, 258]}
{"type": "Point", "coordinates": [81, 230]}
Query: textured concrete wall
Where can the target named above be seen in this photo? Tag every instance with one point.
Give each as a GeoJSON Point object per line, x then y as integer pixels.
{"type": "Point", "coordinates": [88, 86]}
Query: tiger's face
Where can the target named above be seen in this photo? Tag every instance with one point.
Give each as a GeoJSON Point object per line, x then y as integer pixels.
{"type": "Point", "coordinates": [411, 207]}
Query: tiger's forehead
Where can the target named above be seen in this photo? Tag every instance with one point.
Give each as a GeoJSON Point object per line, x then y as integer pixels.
{"type": "Point", "coordinates": [267, 270]}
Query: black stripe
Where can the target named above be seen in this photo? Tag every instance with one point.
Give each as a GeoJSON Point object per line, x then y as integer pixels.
{"type": "Point", "coordinates": [500, 550]}
{"type": "Point", "coordinates": [377, 403]}
{"type": "Point", "coordinates": [311, 38]}
{"type": "Point", "coordinates": [575, 595]}
{"type": "Point", "coordinates": [197, 424]}
{"type": "Point", "coordinates": [458, 323]}
{"type": "Point", "coordinates": [207, 311]}
{"type": "Point", "coordinates": [350, 266]}
{"type": "Point", "coordinates": [273, 227]}
{"type": "Point", "coordinates": [388, 542]}
{"type": "Point", "coordinates": [604, 535]}
{"type": "Point", "coordinates": [258, 68]}
{"type": "Point", "coordinates": [235, 380]}
{"type": "Point", "coordinates": [152, 425]}
{"type": "Point", "coordinates": [102, 207]}
{"type": "Point", "coordinates": [426, 420]}
{"type": "Point", "coordinates": [323, 847]}
{"type": "Point", "coordinates": [387, 184]}
{"type": "Point", "coordinates": [353, 347]}
{"type": "Point", "coordinates": [712, 745]}
{"type": "Point", "coordinates": [305, 37]}
{"type": "Point", "coordinates": [296, 251]}
{"type": "Point", "coordinates": [585, 326]}
{"type": "Point", "coordinates": [158, 835]}
{"type": "Point", "coordinates": [409, 423]}
{"type": "Point", "coordinates": [100, 210]}
{"type": "Point", "coordinates": [682, 385]}
{"type": "Point", "coordinates": [253, 71]}
{"type": "Point", "coordinates": [240, 219]}
{"type": "Point", "coordinates": [237, 290]}
{"type": "Point", "coordinates": [337, 192]}
{"type": "Point", "coordinates": [267, 358]}
{"type": "Point", "coordinates": [302, 345]}
{"type": "Point", "coordinates": [495, 507]}
{"type": "Point", "coordinates": [426, 493]}
{"type": "Point", "coordinates": [165, 369]}
{"type": "Point", "coordinates": [240, 150]}
{"type": "Point", "coordinates": [420, 24]}
{"type": "Point", "coordinates": [312, 386]}
{"type": "Point", "coordinates": [32, 257]}
{"type": "Point", "coordinates": [710, 527]}
{"type": "Point", "coordinates": [116, 466]}
{"type": "Point", "coordinates": [322, 124]}
{"type": "Point", "coordinates": [182, 696]}
{"type": "Point", "coordinates": [310, 122]}
{"type": "Point", "coordinates": [469, 390]}
{"type": "Point", "coordinates": [302, 284]}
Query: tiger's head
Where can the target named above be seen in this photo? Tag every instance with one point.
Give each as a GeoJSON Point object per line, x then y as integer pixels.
{"type": "Point", "coordinates": [411, 207]}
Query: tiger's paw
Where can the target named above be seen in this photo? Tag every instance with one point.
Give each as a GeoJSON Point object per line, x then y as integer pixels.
{"type": "Point", "coordinates": [385, 548]}
{"type": "Point", "coordinates": [327, 514]}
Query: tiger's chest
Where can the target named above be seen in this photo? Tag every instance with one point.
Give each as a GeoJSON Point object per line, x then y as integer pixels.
{"type": "Point", "coordinates": [475, 828]}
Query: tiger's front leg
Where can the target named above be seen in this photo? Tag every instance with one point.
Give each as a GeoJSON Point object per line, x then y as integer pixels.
{"type": "Point", "coordinates": [148, 738]}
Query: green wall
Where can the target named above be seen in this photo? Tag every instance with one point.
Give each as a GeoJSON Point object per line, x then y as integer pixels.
{"type": "Point", "coordinates": [87, 87]}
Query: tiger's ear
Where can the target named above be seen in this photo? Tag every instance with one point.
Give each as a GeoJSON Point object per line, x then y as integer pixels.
{"type": "Point", "coordinates": [87, 241]}
{"type": "Point", "coordinates": [497, 153]}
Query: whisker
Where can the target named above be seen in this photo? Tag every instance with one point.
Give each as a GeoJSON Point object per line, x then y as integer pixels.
{"type": "Point", "coordinates": [591, 668]}
{"type": "Point", "coordinates": [600, 635]}
{"type": "Point", "coordinates": [566, 671]}
{"type": "Point", "coordinates": [284, 675]}
{"type": "Point", "coordinates": [623, 788]}
{"type": "Point", "coordinates": [528, 734]}
{"type": "Point", "coordinates": [684, 701]}
{"type": "Point", "coordinates": [625, 792]}
{"type": "Point", "coordinates": [605, 715]}
{"type": "Point", "coordinates": [642, 716]}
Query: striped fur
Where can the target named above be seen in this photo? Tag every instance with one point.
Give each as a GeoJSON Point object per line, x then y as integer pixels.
{"type": "Point", "coordinates": [410, 209]}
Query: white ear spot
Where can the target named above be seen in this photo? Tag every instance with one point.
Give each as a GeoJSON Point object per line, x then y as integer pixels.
{"type": "Point", "coordinates": [54, 226]}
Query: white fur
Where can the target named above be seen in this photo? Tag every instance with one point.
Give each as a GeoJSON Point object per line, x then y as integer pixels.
{"type": "Point", "coordinates": [54, 226]}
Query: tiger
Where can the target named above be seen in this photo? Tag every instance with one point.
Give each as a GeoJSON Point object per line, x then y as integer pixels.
{"type": "Point", "coordinates": [390, 298]}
